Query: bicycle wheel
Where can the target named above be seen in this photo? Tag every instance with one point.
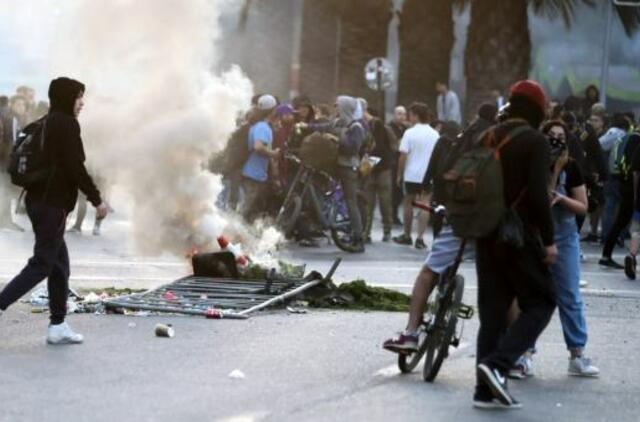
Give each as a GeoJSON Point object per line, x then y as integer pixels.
{"type": "Point", "coordinates": [288, 215]}
{"type": "Point", "coordinates": [443, 329]}
{"type": "Point", "coordinates": [408, 362]}
{"type": "Point", "coordinates": [341, 231]}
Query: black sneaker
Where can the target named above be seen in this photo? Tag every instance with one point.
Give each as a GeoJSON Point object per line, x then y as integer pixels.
{"type": "Point", "coordinates": [497, 383]}
{"type": "Point", "coordinates": [420, 244]}
{"type": "Point", "coordinates": [386, 238]}
{"type": "Point", "coordinates": [610, 263]}
{"type": "Point", "coordinates": [403, 240]}
{"type": "Point", "coordinates": [630, 265]}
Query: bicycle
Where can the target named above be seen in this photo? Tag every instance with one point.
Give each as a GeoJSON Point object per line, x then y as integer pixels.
{"type": "Point", "coordinates": [439, 330]}
{"type": "Point", "coordinates": [323, 196]}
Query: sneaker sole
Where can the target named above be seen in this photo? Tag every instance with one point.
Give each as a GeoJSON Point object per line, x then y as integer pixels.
{"type": "Point", "coordinates": [401, 349]}
{"type": "Point", "coordinates": [487, 376]}
{"type": "Point", "coordinates": [495, 405]}
{"type": "Point", "coordinates": [516, 376]}
{"type": "Point", "coordinates": [62, 342]}
{"type": "Point", "coordinates": [581, 375]}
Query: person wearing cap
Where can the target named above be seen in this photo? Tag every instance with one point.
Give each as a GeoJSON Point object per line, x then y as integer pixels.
{"type": "Point", "coordinates": [283, 128]}
{"type": "Point", "coordinates": [506, 272]}
{"type": "Point", "coordinates": [255, 172]}
{"type": "Point", "coordinates": [569, 199]}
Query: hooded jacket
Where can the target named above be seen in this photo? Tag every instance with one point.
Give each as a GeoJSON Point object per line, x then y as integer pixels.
{"type": "Point", "coordinates": [64, 152]}
{"type": "Point", "coordinates": [350, 133]}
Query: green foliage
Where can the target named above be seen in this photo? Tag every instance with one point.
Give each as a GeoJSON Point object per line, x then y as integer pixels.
{"type": "Point", "coordinates": [357, 295]}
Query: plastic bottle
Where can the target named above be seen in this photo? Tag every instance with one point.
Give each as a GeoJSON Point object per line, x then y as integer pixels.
{"type": "Point", "coordinates": [241, 259]}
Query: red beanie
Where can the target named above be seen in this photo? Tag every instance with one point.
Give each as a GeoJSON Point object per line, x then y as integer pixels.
{"type": "Point", "coordinates": [531, 90]}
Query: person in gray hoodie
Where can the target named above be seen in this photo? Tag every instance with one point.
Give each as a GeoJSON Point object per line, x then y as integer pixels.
{"type": "Point", "coordinates": [350, 135]}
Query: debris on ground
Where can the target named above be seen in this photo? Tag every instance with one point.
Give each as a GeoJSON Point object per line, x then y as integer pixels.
{"type": "Point", "coordinates": [210, 293]}
{"type": "Point", "coordinates": [237, 374]}
{"type": "Point", "coordinates": [357, 295]}
{"type": "Point", "coordinates": [91, 302]}
{"type": "Point", "coordinates": [164, 330]}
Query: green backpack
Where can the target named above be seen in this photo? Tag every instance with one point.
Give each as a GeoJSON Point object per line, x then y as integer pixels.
{"type": "Point", "coordinates": [474, 187]}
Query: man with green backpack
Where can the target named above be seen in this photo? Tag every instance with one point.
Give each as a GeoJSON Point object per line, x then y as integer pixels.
{"type": "Point", "coordinates": [498, 194]}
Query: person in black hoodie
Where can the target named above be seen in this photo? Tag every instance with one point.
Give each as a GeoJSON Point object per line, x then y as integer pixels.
{"type": "Point", "coordinates": [506, 272]}
{"type": "Point", "coordinates": [48, 204]}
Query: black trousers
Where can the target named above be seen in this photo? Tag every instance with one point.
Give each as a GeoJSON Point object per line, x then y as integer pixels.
{"type": "Point", "coordinates": [50, 260]}
{"type": "Point", "coordinates": [623, 218]}
{"type": "Point", "coordinates": [505, 274]}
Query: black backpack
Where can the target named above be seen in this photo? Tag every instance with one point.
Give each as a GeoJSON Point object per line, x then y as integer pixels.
{"type": "Point", "coordinates": [236, 153]}
{"type": "Point", "coordinates": [27, 163]}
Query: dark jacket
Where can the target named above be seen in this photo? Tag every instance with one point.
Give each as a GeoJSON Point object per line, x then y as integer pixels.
{"type": "Point", "coordinates": [596, 162]}
{"type": "Point", "coordinates": [64, 152]}
{"type": "Point", "coordinates": [525, 167]}
{"type": "Point", "coordinates": [382, 147]}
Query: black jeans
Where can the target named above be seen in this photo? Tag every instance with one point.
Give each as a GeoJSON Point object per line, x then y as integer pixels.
{"type": "Point", "coordinates": [505, 274]}
{"type": "Point", "coordinates": [623, 218]}
{"type": "Point", "coordinates": [50, 260]}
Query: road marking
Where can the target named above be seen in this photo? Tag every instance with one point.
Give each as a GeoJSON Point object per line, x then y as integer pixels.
{"type": "Point", "coordinates": [109, 263]}
{"type": "Point", "coordinates": [246, 417]}
{"type": "Point", "coordinates": [81, 278]}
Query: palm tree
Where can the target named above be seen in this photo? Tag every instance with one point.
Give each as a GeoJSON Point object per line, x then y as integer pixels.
{"type": "Point", "coordinates": [498, 50]}
{"type": "Point", "coordinates": [426, 40]}
{"type": "Point", "coordinates": [339, 37]}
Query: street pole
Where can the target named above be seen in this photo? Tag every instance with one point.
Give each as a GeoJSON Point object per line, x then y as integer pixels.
{"type": "Point", "coordinates": [336, 75]}
{"type": "Point", "coordinates": [381, 111]}
{"type": "Point", "coordinates": [298, 9]}
{"type": "Point", "coordinates": [604, 77]}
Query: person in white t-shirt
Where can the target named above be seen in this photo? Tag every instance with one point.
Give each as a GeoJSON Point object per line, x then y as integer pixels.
{"type": "Point", "coordinates": [416, 148]}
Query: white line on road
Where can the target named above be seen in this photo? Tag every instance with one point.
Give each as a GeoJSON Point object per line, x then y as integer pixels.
{"type": "Point", "coordinates": [76, 263]}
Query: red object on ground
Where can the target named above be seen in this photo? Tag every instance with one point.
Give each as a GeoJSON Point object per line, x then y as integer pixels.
{"type": "Point", "coordinates": [213, 314]}
{"type": "Point", "coordinates": [170, 296]}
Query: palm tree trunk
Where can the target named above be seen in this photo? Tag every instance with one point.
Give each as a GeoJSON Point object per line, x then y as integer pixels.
{"type": "Point", "coordinates": [498, 51]}
{"type": "Point", "coordinates": [426, 40]}
{"type": "Point", "coordinates": [365, 29]}
{"type": "Point", "coordinates": [318, 52]}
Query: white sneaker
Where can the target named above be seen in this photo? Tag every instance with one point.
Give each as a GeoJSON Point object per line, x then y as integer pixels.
{"type": "Point", "coordinates": [63, 334]}
{"type": "Point", "coordinates": [583, 284]}
{"type": "Point", "coordinates": [582, 367]}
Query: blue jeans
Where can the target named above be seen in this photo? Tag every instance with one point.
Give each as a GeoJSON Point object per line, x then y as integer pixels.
{"type": "Point", "coordinates": [566, 276]}
{"type": "Point", "coordinates": [611, 202]}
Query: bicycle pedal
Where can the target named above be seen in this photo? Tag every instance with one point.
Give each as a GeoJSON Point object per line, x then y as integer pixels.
{"type": "Point", "coordinates": [465, 311]}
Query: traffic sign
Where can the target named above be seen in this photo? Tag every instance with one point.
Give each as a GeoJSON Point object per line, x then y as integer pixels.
{"type": "Point", "coordinates": [378, 74]}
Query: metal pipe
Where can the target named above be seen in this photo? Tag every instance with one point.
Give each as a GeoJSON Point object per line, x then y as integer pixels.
{"type": "Point", "coordinates": [171, 309]}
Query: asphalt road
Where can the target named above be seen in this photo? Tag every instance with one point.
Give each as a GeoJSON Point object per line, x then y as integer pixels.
{"type": "Point", "coordinates": [319, 366]}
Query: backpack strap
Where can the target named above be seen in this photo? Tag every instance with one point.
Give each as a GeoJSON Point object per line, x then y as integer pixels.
{"type": "Point", "coordinates": [516, 131]}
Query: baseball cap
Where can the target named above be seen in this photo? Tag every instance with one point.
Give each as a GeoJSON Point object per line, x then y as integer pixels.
{"type": "Point", "coordinates": [267, 102]}
{"type": "Point", "coordinates": [284, 109]}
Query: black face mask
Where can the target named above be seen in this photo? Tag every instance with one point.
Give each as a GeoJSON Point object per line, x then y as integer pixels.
{"type": "Point", "coordinates": [558, 147]}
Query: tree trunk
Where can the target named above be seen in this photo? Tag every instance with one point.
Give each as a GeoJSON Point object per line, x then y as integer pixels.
{"type": "Point", "coordinates": [498, 51]}
{"type": "Point", "coordinates": [318, 52]}
{"type": "Point", "coordinates": [365, 29]}
{"type": "Point", "coordinates": [426, 40]}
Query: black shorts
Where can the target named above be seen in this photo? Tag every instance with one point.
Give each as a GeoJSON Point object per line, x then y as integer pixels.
{"type": "Point", "coordinates": [411, 188]}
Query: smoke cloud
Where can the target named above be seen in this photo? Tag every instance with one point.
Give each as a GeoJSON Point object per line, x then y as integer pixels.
{"type": "Point", "coordinates": [154, 111]}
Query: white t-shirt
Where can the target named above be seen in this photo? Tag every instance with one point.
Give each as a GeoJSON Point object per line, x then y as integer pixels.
{"type": "Point", "coordinates": [418, 143]}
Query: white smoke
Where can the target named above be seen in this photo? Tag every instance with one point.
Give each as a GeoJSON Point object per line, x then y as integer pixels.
{"type": "Point", "coordinates": [154, 110]}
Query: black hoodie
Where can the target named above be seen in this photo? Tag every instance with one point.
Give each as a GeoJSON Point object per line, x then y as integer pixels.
{"type": "Point", "coordinates": [64, 151]}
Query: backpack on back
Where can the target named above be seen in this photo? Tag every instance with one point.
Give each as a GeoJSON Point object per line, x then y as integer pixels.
{"type": "Point", "coordinates": [236, 153]}
{"type": "Point", "coordinates": [474, 187]}
{"type": "Point", "coordinates": [27, 163]}
{"type": "Point", "coordinates": [618, 162]}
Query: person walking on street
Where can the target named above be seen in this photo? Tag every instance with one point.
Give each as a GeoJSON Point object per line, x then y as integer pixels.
{"type": "Point", "coordinates": [505, 271]}
{"type": "Point", "coordinates": [569, 199]}
{"type": "Point", "coordinates": [48, 204]}
{"type": "Point", "coordinates": [378, 184]}
{"type": "Point", "coordinates": [416, 148]}
{"type": "Point", "coordinates": [448, 104]}
{"type": "Point", "coordinates": [255, 172]}
{"type": "Point", "coordinates": [397, 126]}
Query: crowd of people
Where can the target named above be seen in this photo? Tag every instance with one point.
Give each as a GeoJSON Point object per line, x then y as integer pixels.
{"type": "Point", "coordinates": [563, 163]}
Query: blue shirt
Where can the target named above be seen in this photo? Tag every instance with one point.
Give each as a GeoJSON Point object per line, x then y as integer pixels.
{"type": "Point", "coordinates": [257, 166]}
